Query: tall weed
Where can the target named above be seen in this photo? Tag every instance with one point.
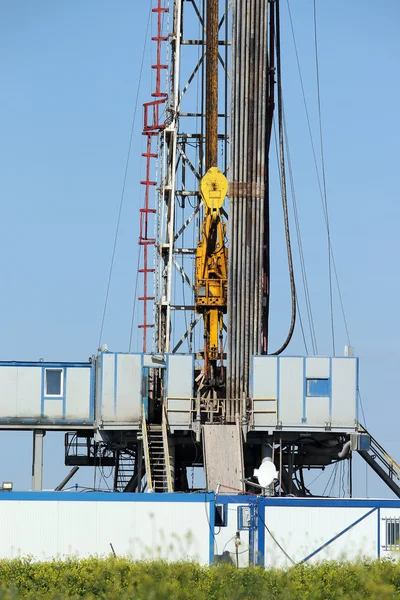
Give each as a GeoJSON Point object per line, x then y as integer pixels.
{"type": "Point", "coordinates": [121, 579]}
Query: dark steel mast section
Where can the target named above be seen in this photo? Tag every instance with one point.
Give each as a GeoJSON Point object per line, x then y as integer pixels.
{"type": "Point", "coordinates": [270, 117]}
{"type": "Point", "coordinates": [212, 84]}
{"type": "Point", "coordinates": [252, 105]}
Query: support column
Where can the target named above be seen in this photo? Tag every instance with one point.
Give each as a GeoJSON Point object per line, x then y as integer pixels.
{"type": "Point", "coordinates": [37, 460]}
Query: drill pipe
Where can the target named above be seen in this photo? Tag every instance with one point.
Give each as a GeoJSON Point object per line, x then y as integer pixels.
{"type": "Point", "coordinates": [246, 195]}
{"type": "Point", "coordinates": [212, 84]}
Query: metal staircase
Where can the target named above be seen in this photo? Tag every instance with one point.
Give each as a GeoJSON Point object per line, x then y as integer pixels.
{"type": "Point", "coordinates": [156, 456]}
{"type": "Point", "coordinates": [125, 471]}
{"type": "Point", "coordinates": [382, 463]}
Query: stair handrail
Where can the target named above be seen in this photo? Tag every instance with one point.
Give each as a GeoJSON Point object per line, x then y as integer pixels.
{"type": "Point", "coordinates": [166, 449]}
{"type": "Point", "coordinates": [391, 464]}
{"type": "Point", "coordinates": [146, 451]}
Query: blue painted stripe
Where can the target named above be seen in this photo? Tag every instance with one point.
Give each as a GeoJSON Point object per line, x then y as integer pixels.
{"type": "Point", "coordinates": [329, 502]}
{"type": "Point", "coordinates": [338, 535]}
{"type": "Point", "coordinates": [357, 391]}
{"type": "Point", "coordinates": [252, 530]}
{"type": "Point", "coordinates": [64, 398]}
{"type": "Point", "coordinates": [261, 535]}
{"type": "Point", "coordinates": [42, 392]}
{"type": "Point", "coordinates": [145, 398]}
{"type": "Point", "coordinates": [378, 533]}
{"type": "Point", "coordinates": [112, 497]}
{"type": "Point", "coordinates": [50, 365]}
{"type": "Point", "coordinates": [92, 390]}
{"type": "Point", "coordinates": [99, 406]}
{"type": "Point", "coordinates": [251, 382]}
{"type": "Point", "coordinates": [211, 524]}
{"type": "Point", "coordinates": [237, 499]}
{"type": "Point", "coordinates": [330, 390]}
{"type": "Point", "coordinates": [304, 419]}
{"type": "Point", "coordinates": [115, 384]}
{"type": "Point", "coordinates": [278, 388]}
{"type": "Point", "coordinates": [167, 373]}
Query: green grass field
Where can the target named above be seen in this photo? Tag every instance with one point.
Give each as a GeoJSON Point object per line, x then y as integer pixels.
{"type": "Point", "coordinates": [120, 579]}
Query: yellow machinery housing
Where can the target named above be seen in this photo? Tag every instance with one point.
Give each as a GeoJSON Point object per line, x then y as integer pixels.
{"type": "Point", "coordinates": [212, 266]}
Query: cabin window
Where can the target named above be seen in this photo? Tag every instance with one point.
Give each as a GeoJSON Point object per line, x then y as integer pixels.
{"type": "Point", "coordinates": [318, 387]}
{"type": "Point", "coordinates": [54, 382]}
{"type": "Point", "coordinates": [220, 517]}
{"type": "Point", "coordinates": [392, 534]}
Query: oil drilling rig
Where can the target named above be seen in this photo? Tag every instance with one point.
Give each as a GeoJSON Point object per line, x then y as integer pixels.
{"type": "Point", "coordinates": [207, 390]}
{"type": "Point", "coordinates": [227, 401]}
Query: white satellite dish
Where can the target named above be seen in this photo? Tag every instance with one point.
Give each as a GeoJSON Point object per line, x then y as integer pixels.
{"type": "Point", "coordinates": [266, 474]}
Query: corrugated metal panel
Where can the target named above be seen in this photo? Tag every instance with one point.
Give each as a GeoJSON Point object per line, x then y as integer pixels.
{"type": "Point", "coordinates": [78, 394]}
{"type": "Point", "coordinates": [303, 530]}
{"type": "Point", "coordinates": [312, 392]}
{"type": "Point", "coordinates": [47, 529]}
{"type": "Point", "coordinates": [119, 393]}
{"type": "Point", "coordinates": [25, 398]}
{"type": "Point", "coordinates": [344, 391]}
{"type": "Point", "coordinates": [317, 368]}
{"type": "Point", "coordinates": [179, 389]}
{"type": "Point", "coordinates": [291, 390]}
{"type": "Point", "coordinates": [224, 548]}
{"type": "Point", "coordinates": [129, 388]}
{"type": "Point", "coordinates": [318, 410]}
{"type": "Point", "coordinates": [105, 395]}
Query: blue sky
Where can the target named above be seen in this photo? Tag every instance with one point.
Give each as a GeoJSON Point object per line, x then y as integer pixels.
{"type": "Point", "coordinates": [69, 82]}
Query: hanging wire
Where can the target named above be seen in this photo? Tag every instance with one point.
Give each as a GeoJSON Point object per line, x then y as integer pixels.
{"type": "Point", "coordinates": [330, 477]}
{"type": "Point", "coordinates": [283, 183]}
{"type": "Point", "coordinates": [300, 243]}
{"type": "Point", "coordinates": [324, 177]}
{"type": "Point", "coordinates": [297, 298]}
{"type": "Point", "coordinates": [317, 173]}
{"type": "Point", "coordinates": [134, 299]}
{"type": "Point", "coordinates": [125, 179]}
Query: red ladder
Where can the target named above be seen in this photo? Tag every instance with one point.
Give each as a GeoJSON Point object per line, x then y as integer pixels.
{"type": "Point", "coordinates": [151, 129]}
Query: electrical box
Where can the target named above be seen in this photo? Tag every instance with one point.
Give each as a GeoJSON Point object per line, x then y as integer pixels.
{"type": "Point", "coordinates": [244, 518]}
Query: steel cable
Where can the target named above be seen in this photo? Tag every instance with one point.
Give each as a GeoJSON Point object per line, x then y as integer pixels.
{"type": "Point", "coordinates": [283, 184]}
{"type": "Point", "coordinates": [124, 180]}
{"type": "Point", "coordinates": [317, 171]}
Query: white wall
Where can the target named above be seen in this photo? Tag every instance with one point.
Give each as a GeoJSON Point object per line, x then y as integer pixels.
{"type": "Point", "coordinates": [301, 530]}
{"type": "Point", "coordinates": [48, 529]}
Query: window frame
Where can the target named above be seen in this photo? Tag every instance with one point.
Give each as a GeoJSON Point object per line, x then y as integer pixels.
{"type": "Point", "coordinates": [392, 534]}
{"type": "Point", "coordinates": [326, 393]}
{"type": "Point", "coordinates": [222, 510]}
{"type": "Point", "coordinates": [57, 370]}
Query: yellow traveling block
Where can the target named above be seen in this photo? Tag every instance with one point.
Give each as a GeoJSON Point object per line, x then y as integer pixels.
{"type": "Point", "coordinates": [213, 190]}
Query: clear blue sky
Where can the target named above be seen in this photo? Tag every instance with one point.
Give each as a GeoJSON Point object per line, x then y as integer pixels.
{"type": "Point", "coordinates": [69, 81]}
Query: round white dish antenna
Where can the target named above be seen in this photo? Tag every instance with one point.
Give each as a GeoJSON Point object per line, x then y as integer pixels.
{"type": "Point", "coordinates": [266, 474]}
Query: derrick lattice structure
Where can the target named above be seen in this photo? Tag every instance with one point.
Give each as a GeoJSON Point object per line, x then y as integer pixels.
{"type": "Point", "coordinates": [182, 164]}
{"type": "Point", "coordinates": [153, 124]}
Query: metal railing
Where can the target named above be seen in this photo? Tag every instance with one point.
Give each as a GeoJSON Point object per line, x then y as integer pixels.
{"type": "Point", "coordinates": [146, 450]}
{"type": "Point", "coordinates": [166, 450]}
{"type": "Point", "coordinates": [383, 457]}
{"type": "Point", "coordinates": [264, 411]}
